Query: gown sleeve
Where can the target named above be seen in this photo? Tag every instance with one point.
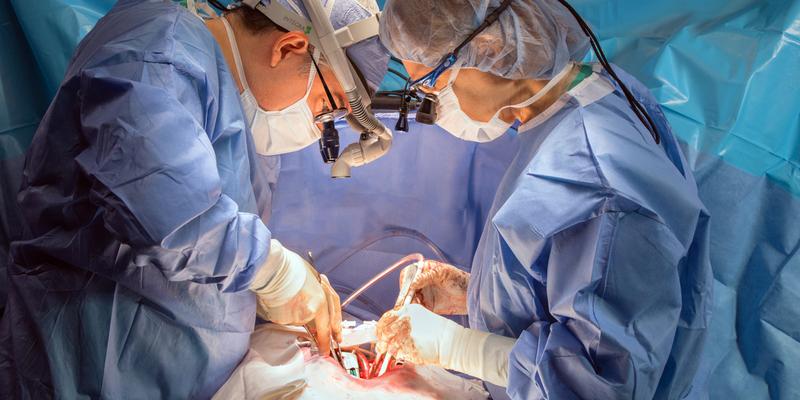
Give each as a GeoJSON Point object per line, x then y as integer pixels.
{"type": "Point", "coordinates": [613, 291]}
{"type": "Point", "coordinates": [154, 176]}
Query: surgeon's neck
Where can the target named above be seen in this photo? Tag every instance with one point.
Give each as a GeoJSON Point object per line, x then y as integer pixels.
{"type": "Point", "coordinates": [552, 95]}
{"type": "Point", "coordinates": [481, 94]}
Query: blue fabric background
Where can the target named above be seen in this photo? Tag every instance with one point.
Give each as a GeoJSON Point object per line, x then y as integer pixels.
{"type": "Point", "coordinates": [725, 72]}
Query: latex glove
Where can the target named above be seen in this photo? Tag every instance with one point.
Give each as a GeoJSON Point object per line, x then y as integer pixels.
{"type": "Point", "coordinates": [416, 334]}
{"type": "Point", "coordinates": [289, 293]}
{"type": "Point", "coordinates": [440, 287]}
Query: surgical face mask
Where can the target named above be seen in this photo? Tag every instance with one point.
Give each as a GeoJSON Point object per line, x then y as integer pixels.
{"type": "Point", "coordinates": [453, 119]}
{"type": "Point", "coordinates": [276, 132]}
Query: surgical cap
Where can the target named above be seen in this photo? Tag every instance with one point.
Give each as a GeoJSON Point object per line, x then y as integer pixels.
{"type": "Point", "coordinates": [370, 57]}
{"type": "Point", "coordinates": [530, 40]}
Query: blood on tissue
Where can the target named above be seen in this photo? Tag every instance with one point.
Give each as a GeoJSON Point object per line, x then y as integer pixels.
{"type": "Point", "coordinates": [399, 379]}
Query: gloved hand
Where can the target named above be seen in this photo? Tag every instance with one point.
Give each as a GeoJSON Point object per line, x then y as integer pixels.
{"type": "Point", "coordinates": [289, 293]}
{"type": "Point", "coordinates": [440, 287]}
{"type": "Point", "coordinates": [416, 334]}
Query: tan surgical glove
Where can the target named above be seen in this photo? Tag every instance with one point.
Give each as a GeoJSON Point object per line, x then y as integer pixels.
{"type": "Point", "coordinates": [289, 293]}
{"type": "Point", "coordinates": [440, 287]}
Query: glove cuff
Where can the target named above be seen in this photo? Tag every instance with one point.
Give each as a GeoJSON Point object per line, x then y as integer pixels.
{"type": "Point", "coordinates": [280, 277]}
{"type": "Point", "coordinates": [480, 354]}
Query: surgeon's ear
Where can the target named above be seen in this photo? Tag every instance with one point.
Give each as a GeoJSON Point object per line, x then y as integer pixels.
{"type": "Point", "coordinates": [288, 43]}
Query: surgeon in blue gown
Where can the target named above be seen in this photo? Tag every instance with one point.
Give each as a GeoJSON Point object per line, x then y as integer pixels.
{"type": "Point", "coordinates": [592, 278]}
{"type": "Point", "coordinates": [146, 190]}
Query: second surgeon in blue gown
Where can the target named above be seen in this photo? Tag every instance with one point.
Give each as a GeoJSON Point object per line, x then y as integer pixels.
{"type": "Point", "coordinates": [592, 276]}
{"type": "Point", "coordinates": [144, 192]}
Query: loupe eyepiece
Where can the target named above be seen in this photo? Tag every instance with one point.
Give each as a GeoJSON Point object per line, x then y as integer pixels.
{"type": "Point", "coordinates": [329, 142]}
{"type": "Point", "coordinates": [426, 114]}
{"type": "Point", "coordinates": [402, 123]}
{"type": "Point", "coordinates": [402, 119]}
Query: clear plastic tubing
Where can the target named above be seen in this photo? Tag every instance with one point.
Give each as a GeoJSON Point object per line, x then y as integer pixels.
{"type": "Point", "coordinates": [395, 232]}
{"type": "Point", "coordinates": [409, 259]}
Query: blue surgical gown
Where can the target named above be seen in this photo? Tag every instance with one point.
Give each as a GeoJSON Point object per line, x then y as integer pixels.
{"type": "Point", "coordinates": [595, 255]}
{"type": "Point", "coordinates": [144, 204]}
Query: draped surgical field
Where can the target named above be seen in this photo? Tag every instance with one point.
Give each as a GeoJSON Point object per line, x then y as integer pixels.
{"type": "Point", "coordinates": [279, 366]}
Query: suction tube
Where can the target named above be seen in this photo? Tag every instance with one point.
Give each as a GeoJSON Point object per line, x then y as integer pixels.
{"type": "Point", "coordinates": [376, 138]}
{"type": "Point", "coordinates": [405, 261]}
{"type": "Point", "coordinates": [388, 234]}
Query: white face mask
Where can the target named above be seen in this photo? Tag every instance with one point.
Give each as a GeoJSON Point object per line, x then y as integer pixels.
{"type": "Point", "coordinates": [453, 119]}
{"type": "Point", "coordinates": [276, 132]}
